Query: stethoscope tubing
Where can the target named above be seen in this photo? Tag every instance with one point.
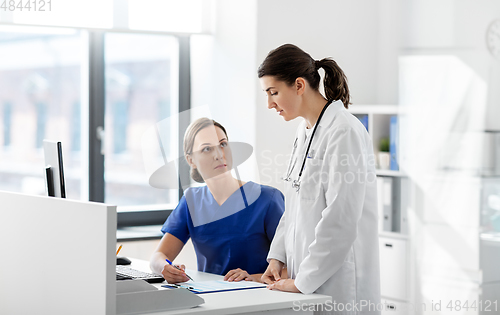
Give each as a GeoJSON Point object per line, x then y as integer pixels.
{"type": "Point", "coordinates": [296, 183]}
{"type": "Point", "coordinates": [290, 167]}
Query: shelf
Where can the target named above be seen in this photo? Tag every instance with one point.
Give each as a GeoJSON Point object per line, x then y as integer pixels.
{"type": "Point", "coordinates": [375, 109]}
{"type": "Point", "coordinates": [390, 173]}
{"type": "Point", "coordinates": [139, 233]}
{"type": "Point", "coordinates": [490, 236]}
{"type": "Point", "coordinates": [394, 235]}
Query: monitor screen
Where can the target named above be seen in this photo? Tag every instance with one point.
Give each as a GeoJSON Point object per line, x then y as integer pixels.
{"type": "Point", "coordinates": [54, 175]}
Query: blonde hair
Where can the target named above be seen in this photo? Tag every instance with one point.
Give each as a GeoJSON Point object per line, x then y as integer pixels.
{"type": "Point", "coordinates": [190, 135]}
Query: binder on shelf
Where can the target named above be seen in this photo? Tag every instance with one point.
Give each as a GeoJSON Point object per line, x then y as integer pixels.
{"type": "Point", "coordinates": [404, 202]}
{"type": "Point", "coordinates": [364, 120]}
{"type": "Point", "coordinates": [394, 143]}
{"type": "Point", "coordinates": [384, 191]}
{"type": "Point", "coordinates": [380, 203]}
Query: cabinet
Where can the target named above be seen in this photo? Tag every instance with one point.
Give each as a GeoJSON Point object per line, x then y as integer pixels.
{"type": "Point", "coordinates": [394, 199]}
{"type": "Point", "coordinates": [391, 307]}
{"type": "Point", "coordinates": [439, 228]}
{"type": "Point", "coordinates": [392, 184]}
{"type": "Point", "coordinates": [393, 270]}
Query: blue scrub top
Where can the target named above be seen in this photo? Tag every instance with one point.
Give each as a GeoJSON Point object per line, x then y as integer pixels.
{"type": "Point", "coordinates": [239, 240]}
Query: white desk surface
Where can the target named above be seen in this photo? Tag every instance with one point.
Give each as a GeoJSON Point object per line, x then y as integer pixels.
{"type": "Point", "coordinates": [241, 301]}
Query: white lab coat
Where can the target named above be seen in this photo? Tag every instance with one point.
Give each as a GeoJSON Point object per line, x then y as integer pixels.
{"type": "Point", "coordinates": [328, 235]}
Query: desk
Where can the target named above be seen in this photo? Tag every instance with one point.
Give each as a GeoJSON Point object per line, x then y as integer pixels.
{"type": "Point", "coordinates": [262, 301]}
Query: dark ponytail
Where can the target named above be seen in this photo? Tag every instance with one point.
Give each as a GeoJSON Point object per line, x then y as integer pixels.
{"type": "Point", "coordinates": [335, 81]}
{"type": "Point", "coordinates": [288, 62]}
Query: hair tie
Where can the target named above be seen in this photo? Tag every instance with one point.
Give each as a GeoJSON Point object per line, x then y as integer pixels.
{"type": "Point", "coordinates": [317, 64]}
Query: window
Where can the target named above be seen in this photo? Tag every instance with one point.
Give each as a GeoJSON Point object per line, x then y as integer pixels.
{"type": "Point", "coordinates": [76, 126]}
{"type": "Point", "coordinates": [141, 75]}
{"type": "Point", "coordinates": [168, 15]}
{"type": "Point", "coordinates": [40, 76]}
{"type": "Point", "coordinates": [7, 122]}
{"type": "Point", "coordinates": [45, 95]}
{"type": "Point", "coordinates": [96, 85]}
{"type": "Point", "coordinates": [69, 13]}
{"type": "Point", "coordinates": [41, 123]}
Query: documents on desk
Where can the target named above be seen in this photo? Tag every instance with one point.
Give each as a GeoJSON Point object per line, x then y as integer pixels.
{"type": "Point", "coordinates": [261, 301]}
{"type": "Point", "coordinates": [212, 286]}
{"type": "Point", "coordinates": [138, 297]}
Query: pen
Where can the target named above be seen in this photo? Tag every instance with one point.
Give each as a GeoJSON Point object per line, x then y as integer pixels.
{"type": "Point", "coordinates": [174, 285]}
{"type": "Point", "coordinates": [119, 248]}
{"type": "Point", "coordinates": [170, 263]}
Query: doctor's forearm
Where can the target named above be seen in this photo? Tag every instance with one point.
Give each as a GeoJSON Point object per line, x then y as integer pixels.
{"type": "Point", "coordinates": [284, 273]}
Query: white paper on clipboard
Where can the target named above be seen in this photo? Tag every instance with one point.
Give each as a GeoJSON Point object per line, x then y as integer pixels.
{"type": "Point", "coordinates": [216, 286]}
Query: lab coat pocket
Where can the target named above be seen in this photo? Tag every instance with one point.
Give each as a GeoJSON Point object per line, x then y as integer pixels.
{"type": "Point", "coordinates": [313, 178]}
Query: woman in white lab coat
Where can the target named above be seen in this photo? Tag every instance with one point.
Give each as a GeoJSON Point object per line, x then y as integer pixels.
{"type": "Point", "coordinates": [327, 237]}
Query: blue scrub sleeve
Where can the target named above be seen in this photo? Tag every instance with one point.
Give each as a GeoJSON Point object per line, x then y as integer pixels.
{"type": "Point", "coordinates": [274, 212]}
{"type": "Point", "coordinates": [177, 222]}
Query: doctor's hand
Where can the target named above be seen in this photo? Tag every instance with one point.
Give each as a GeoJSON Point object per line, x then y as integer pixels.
{"type": "Point", "coordinates": [174, 275]}
{"type": "Point", "coordinates": [273, 272]}
{"type": "Point", "coordinates": [287, 285]}
{"type": "Point", "coordinates": [237, 275]}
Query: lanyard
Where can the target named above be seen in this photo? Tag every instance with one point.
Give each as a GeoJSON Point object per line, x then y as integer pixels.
{"type": "Point", "coordinates": [296, 183]}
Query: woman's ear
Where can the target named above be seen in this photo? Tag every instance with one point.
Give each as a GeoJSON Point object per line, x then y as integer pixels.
{"type": "Point", "coordinates": [189, 159]}
{"type": "Point", "coordinates": [300, 85]}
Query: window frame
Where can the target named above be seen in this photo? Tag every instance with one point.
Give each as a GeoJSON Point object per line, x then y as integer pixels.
{"type": "Point", "coordinates": [96, 122]}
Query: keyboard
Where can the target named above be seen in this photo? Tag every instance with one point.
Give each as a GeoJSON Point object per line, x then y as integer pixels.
{"type": "Point", "coordinates": [127, 273]}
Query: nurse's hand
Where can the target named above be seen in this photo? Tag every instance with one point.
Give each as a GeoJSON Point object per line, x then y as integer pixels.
{"type": "Point", "coordinates": [287, 285]}
{"type": "Point", "coordinates": [237, 275]}
{"type": "Point", "coordinates": [174, 275]}
{"type": "Point", "coordinates": [273, 272]}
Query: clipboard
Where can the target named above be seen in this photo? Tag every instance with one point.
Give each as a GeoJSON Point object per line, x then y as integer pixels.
{"type": "Point", "coordinates": [213, 286]}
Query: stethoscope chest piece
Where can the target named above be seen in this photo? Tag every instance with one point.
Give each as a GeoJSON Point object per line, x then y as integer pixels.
{"type": "Point", "coordinates": [296, 185]}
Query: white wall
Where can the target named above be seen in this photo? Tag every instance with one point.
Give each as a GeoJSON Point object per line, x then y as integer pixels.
{"type": "Point", "coordinates": [390, 34]}
{"type": "Point", "coordinates": [223, 72]}
{"type": "Point", "coordinates": [347, 31]}
{"type": "Point", "coordinates": [223, 66]}
{"type": "Point", "coordinates": [456, 28]}
{"type": "Point", "coordinates": [443, 80]}
{"type": "Point", "coordinates": [359, 35]}
{"type": "Point", "coordinates": [365, 37]}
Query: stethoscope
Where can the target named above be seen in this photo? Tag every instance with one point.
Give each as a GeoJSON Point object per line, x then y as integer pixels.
{"type": "Point", "coordinates": [296, 182]}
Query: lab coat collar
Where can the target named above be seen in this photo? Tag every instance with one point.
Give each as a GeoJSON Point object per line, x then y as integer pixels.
{"type": "Point", "coordinates": [330, 113]}
{"type": "Point", "coordinates": [328, 116]}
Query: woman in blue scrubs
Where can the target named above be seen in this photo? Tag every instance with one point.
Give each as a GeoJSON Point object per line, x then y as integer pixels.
{"type": "Point", "coordinates": [231, 223]}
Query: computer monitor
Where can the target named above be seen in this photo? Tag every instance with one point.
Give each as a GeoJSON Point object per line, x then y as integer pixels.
{"type": "Point", "coordinates": [54, 174]}
{"type": "Point", "coordinates": [50, 262]}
